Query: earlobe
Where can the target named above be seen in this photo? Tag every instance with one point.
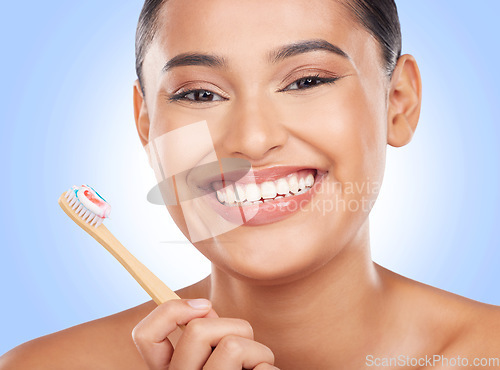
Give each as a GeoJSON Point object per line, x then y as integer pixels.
{"type": "Point", "coordinates": [141, 114]}
{"type": "Point", "coordinates": [400, 132]}
{"type": "Point", "coordinates": [405, 99]}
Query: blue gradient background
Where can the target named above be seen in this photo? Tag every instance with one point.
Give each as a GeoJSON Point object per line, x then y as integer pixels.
{"type": "Point", "coordinates": [66, 117]}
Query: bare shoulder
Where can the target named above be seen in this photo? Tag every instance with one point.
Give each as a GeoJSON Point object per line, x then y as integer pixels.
{"type": "Point", "coordinates": [458, 326]}
{"type": "Point", "coordinates": [476, 342]}
{"type": "Point", "coordinates": [105, 343]}
{"type": "Point", "coordinates": [479, 337]}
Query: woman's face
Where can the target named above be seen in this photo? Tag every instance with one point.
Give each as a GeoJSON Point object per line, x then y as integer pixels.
{"type": "Point", "coordinates": [316, 107]}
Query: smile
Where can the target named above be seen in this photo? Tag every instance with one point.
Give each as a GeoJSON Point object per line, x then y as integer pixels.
{"type": "Point", "coordinates": [235, 194]}
{"type": "Point", "coordinates": [262, 196]}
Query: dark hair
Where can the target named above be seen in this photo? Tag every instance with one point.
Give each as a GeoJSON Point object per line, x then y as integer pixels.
{"type": "Point", "coordinates": [145, 34]}
{"type": "Point", "coordinates": [379, 17]}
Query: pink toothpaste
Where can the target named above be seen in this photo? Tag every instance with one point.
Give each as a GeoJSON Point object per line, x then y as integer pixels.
{"type": "Point", "coordinates": [93, 202]}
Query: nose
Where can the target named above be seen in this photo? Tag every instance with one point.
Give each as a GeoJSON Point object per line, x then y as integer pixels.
{"type": "Point", "coordinates": [254, 131]}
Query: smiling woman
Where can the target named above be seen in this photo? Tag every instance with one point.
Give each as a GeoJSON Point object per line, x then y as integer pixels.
{"type": "Point", "coordinates": [309, 94]}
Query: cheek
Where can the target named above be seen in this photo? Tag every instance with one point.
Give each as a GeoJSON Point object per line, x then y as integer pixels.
{"type": "Point", "coordinates": [165, 120]}
{"type": "Point", "coordinates": [347, 126]}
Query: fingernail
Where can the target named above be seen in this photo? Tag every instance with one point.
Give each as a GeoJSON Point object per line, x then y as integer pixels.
{"type": "Point", "coordinates": [199, 304]}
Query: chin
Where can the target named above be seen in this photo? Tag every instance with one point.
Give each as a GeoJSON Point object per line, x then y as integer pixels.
{"type": "Point", "coordinates": [266, 262]}
{"type": "Point", "coordinates": [269, 274]}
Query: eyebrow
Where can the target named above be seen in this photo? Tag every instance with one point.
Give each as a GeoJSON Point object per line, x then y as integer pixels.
{"type": "Point", "coordinates": [284, 52]}
{"type": "Point", "coordinates": [306, 46]}
{"type": "Point", "coordinates": [194, 59]}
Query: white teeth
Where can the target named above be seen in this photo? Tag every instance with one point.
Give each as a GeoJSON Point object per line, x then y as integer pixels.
{"type": "Point", "coordinates": [230, 197]}
{"type": "Point", "coordinates": [293, 183]}
{"type": "Point", "coordinates": [282, 187]}
{"type": "Point", "coordinates": [240, 193]}
{"type": "Point", "coordinates": [309, 180]}
{"type": "Point", "coordinates": [302, 184]}
{"type": "Point", "coordinates": [253, 192]}
{"type": "Point", "coordinates": [268, 190]}
{"type": "Point", "coordinates": [234, 193]}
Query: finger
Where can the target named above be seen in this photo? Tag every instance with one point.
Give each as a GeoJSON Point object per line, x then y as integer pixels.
{"type": "Point", "coordinates": [211, 314]}
{"type": "Point", "coordinates": [150, 335]}
{"type": "Point", "coordinates": [177, 333]}
{"type": "Point", "coordinates": [170, 314]}
{"type": "Point", "coordinates": [200, 335]}
{"type": "Point", "coordinates": [235, 353]}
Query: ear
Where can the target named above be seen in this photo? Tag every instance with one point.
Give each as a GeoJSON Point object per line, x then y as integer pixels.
{"type": "Point", "coordinates": [405, 99]}
{"type": "Point", "coordinates": [141, 114]}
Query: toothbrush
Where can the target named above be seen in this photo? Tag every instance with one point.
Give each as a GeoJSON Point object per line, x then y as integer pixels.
{"type": "Point", "coordinates": [88, 209]}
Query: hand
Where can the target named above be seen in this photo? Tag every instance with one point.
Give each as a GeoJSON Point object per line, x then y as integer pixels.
{"type": "Point", "coordinates": [232, 338]}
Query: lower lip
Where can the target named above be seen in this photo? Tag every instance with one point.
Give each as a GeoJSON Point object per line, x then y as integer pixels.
{"type": "Point", "coordinates": [268, 212]}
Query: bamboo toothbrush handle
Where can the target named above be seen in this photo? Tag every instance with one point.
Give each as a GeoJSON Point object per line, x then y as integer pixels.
{"type": "Point", "coordinates": [158, 290]}
{"type": "Point", "coordinates": [149, 281]}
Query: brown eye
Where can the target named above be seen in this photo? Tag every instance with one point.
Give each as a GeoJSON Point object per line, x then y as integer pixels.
{"type": "Point", "coordinates": [197, 96]}
{"type": "Point", "coordinates": [202, 95]}
{"type": "Point", "coordinates": [308, 82]}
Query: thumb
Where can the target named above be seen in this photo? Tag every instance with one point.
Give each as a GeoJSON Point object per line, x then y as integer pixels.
{"type": "Point", "coordinates": [212, 314]}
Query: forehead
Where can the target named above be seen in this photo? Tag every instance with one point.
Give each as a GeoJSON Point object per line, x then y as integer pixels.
{"type": "Point", "coordinates": [248, 28]}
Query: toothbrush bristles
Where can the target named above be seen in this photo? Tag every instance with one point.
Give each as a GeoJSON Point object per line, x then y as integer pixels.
{"type": "Point", "coordinates": [86, 214]}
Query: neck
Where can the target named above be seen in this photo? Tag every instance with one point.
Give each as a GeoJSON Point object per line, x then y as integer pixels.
{"type": "Point", "coordinates": [317, 314]}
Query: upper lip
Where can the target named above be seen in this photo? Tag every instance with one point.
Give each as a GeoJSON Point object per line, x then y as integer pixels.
{"type": "Point", "coordinates": [256, 176]}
